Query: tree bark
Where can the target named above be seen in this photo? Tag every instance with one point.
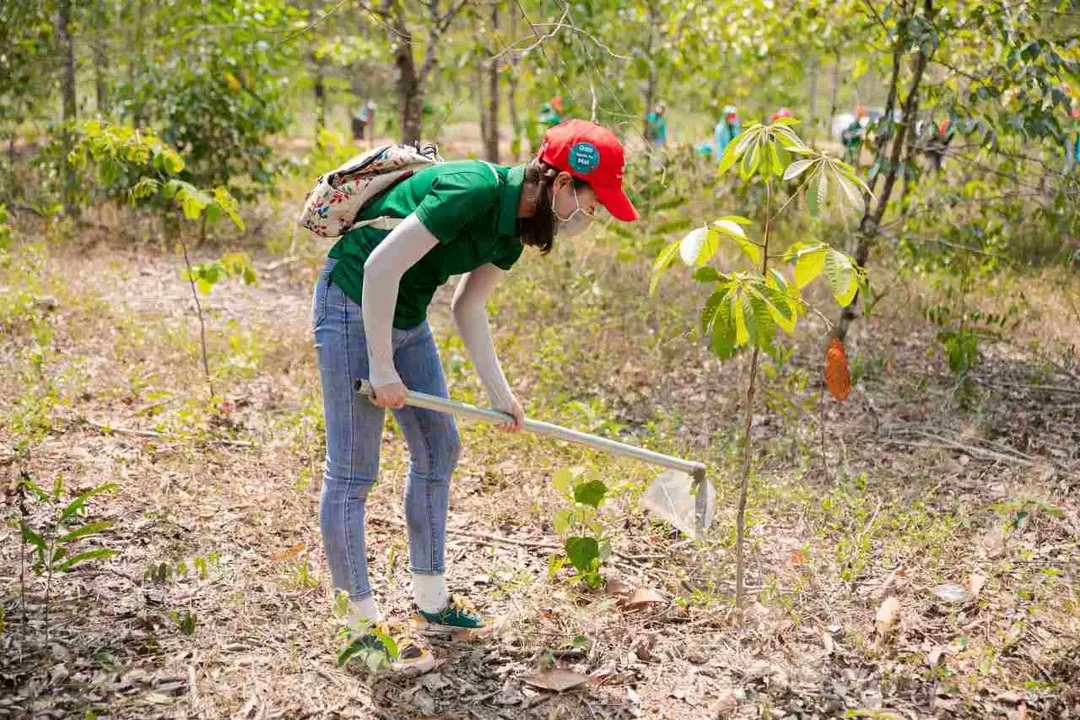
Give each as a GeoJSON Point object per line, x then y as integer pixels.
{"type": "Point", "coordinates": [511, 88]}
{"type": "Point", "coordinates": [67, 92]}
{"type": "Point", "coordinates": [409, 90]}
{"type": "Point", "coordinates": [320, 98]}
{"type": "Point", "coordinates": [650, 88]}
{"type": "Point", "coordinates": [491, 140]}
{"type": "Point", "coordinates": [835, 88]}
{"type": "Point", "coordinates": [481, 109]}
{"type": "Point", "coordinates": [101, 26]}
{"type": "Point", "coordinates": [136, 53]}
{"type": "Point", "coordinates": [409, 80]}
{"type": "Point", "coordinates": [875, 211]}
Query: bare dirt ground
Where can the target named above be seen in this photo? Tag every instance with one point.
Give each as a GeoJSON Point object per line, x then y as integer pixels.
{"type": "Point", "coordinates": [913, 553]}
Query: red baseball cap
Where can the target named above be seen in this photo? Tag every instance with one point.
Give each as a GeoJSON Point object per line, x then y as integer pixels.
{"type": "Point", "coordinates": [591, 152]}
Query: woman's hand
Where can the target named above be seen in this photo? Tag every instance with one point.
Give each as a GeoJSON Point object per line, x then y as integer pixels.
{"type": "Point", "coordinates": [513, 408]}
{"type": "Point", "coordinates": [390, 396]}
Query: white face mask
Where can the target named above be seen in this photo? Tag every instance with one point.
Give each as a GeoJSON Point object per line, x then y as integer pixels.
{"type": "Point", "coordinates": [575, 223]}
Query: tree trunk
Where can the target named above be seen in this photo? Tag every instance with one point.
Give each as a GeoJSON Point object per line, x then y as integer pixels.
{"type": "Point", "coordinates": [511, 89]}
{"type": "Point", "coordinates": [650, 88]}
{"type": "Point", "coordinates": [835, 89]}
{"type": "Point", "coordinates": [136, 53]}
{"type": "Point", "coordinates": [409, 90]}
{"type": "Point", "coordinates": [101, 59]}
{"type": "Point", "coordinates": [481, 109]}
{"type": "Point", "coordinates": [873, 213]}
{"type": "Point", "coordinates": [491, 139]}
{"type": "Point", "coordinates": [67, 92]}
{"type": "Point", "coordinates": [320, 99]}
{"type": "Point", "coordinates": [811, 119]}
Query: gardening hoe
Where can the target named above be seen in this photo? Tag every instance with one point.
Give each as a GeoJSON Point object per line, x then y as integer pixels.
{"type": "Point", "coordinates": [681, 495]}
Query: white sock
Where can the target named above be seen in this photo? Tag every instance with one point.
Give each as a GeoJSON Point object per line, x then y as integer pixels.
{"type": "Point", "coordinates": [364, 610]}
{"type": "Point", "coordinates": [429, 592]}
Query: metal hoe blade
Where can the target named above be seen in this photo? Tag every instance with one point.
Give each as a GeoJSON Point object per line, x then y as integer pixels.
{"type": "Point", "coordinates": [687, 503]}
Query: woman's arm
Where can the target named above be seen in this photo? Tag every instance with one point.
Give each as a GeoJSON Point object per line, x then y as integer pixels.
{"type": "Point", "coordinates": [470, 313]}
{"type": "Point", "coordinates": [398, 252]}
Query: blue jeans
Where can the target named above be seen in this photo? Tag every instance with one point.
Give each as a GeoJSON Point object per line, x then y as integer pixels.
{"type": "Point", "coordinates": [354, 433]}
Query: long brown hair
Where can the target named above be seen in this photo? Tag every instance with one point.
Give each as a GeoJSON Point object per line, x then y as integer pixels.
{"type": "Point", "coordinates": [538, 230]}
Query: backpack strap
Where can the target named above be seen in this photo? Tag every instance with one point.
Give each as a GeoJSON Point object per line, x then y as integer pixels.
{"type": "Point", "coordinates": [380, 223]}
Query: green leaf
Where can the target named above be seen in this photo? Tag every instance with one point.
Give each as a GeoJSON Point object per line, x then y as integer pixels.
{"type": "Point", "coordinates": [851, 192]}
{"type": "Point", "coordinates": [812, 196]}
{"type": "Point", "coordinates": [707, 273]}
{"type": "Point", "coordinates": [583, 552]}
{"type": "Point", "coordinates": [736, 233]}
{"type": "Point", "coordinates": [711, 307]}
{"type": "Point", "coordinates": [30, 485]}
{"type": "Point", "coordinates": [731, 154]}
{"type": "Point", "coordinates": [808, 266]}
{"type": "Point", "coordinates": [78, 502]}
{"type": "Point", "coordinates": [562, 481]}
{"type": "Point", "coordinates": [388, 642]}
{"type": "Point", "coordinates": [776, 279]}
{"type": "Point", "coordinates": [798, 167]}
{"type": "Point", "coordinates": [590, 493]}
{"type": "Point", "coordinates": [192, 200]}
{"type": "Point", "coordinates": [750, 162]}
{"type": "Point", "coordinates": [82, 557]}
{"type": "Point", "coordinates": [213, 212]}
{"type": "Point", "coordinates": [32, 537]}
{"type": "Point", "coordinates": [555, 564]}
{"type": "Point", "coordinates": [738, 312]}
{"type": "Point", "coordinates": [789, 140]}
{"type": "Point", "coordinates": [663, 260]}
{"type": "Point", "coordinates": [172, 162]}
{"type": "Point", "coordinates": [737, 219]}
{"type": "Point", "coordinates": [351, 650]}
{"type": "Point", "coordinates": [779, 307]}
{"type": "Point", "coordinates": [777, 167]}
{"type": "Point", "coordinates": [841, 275]}
{"type": "Point", "coordinates": [759, 322]}
{"type": "Point", "coordinates": [88, 529]}
{"type": "Point", "coordinates": [562, 520]}
{"type": "Point", "coordinates": [822, 188]}
{"type": "Point", "coordinates": [723, 328]}
{"type": "Point", "coordinates": [699, 246]}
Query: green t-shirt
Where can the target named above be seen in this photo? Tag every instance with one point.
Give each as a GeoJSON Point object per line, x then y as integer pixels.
{"type": "Point", "coordinates": [469, 206]}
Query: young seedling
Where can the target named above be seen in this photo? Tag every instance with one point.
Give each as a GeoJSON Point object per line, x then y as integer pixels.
{"type": "Point", "coordinates": [586, 545]}
{"type": "Point", "coordinates": [746, 307]}
{"type": "Point", "coordinates": [128, 157]}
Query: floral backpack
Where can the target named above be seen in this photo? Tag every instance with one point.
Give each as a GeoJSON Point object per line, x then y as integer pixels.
{"type": "Point", "coordinates": [330, 209]}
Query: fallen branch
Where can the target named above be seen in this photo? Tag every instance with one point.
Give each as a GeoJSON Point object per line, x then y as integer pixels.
{"type": "Point", "coordinates": [970, 450]}
{"type": "Point", "coordinates": [1043, 388]}
{"type": "Point", "coordinates": [107, 429]}
{"type": "Point", "coordinates": [540, 544]}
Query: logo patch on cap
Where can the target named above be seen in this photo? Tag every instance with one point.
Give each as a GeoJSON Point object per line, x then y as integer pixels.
{"type": "Point", "coordinates": [584, 158]}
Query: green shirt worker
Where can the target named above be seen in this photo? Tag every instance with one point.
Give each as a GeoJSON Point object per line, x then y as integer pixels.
{"type": "Point", "coordinates": [369, 315]}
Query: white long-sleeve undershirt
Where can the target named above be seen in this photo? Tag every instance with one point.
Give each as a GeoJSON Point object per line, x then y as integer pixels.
{"type": "Point", "coordinates": [400, 250]}
{"type": "Point", "coordinates": [383, 269]}
{"type": "Point", "coordinates": [470, 313]}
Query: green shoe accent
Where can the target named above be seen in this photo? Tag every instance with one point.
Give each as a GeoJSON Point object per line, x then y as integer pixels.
{"type": "Point", "coordinates": [458, 615]}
